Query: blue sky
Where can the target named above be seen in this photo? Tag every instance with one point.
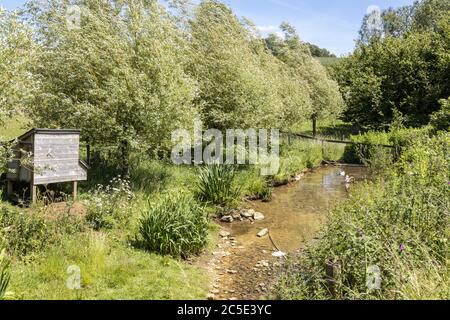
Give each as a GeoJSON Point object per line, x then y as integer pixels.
{"type": "Point", "coordinates": [330, 24]}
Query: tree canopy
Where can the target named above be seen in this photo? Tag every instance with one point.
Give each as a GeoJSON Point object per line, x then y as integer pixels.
{"type": "Point", "coordinates": [119, 76]}
{"type": "Point", "coordinates": [405, 68]}
{"type": "Point", "coordinates": [16, 54]}
{"type": "Point", "coordinates": [129, 73]}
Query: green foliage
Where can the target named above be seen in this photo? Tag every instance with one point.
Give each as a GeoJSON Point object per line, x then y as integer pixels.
{"type": "Point", "coordinates": [325, 100]}
{"type": "Point", "coordinates": [429, 13]}
{"type": "Point", "coordinates": [408, 72]}
{"type": "Point", "coordinates": [16, 55]}
{"type": "Point", "coordinates": [327, 62]}
{"type": "Point", "coordinates": [298, 155]}
{"type": "Point", "coordinates": [373, 146]}
{"type": "Point", "coordinates": [4, 274]}
{"type": "Point", "coordinates": [23, 233]}
{"type": "Point", "coordinates": [253, 185]}
{"type": "Point", "coordinates": [110, 204]}
{"type": "Point", "coordinates": [216, 185]}
{"type": "Point", "coordinates": [440, 120]}
{"type": "Point", "coordinates": [319, 52]}
{"type": "Point", "coordinates": [399, 224]}
{"type": "Point", "coordinates": [237, 79]}
{"type": "Point", "coordinates": [127, 90]}
{"type": "Point", "coordinates": [175, 225]}
{"type": "Point", "coordinates": [26, 232]}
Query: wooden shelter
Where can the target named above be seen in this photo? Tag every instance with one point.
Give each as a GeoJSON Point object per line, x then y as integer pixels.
{"type": "Point", "coordinates": [46, 156]}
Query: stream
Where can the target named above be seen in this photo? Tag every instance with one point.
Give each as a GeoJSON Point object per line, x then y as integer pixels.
{"type": "Point", "coordinates": [243, 266]}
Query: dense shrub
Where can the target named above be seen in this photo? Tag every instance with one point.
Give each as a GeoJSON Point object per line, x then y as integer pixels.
{"type": "Point", "coordinates": [22, 232]}
{"type": "Point", "coordinates": [440, 120]}
{"type": "Point", "coordinates": [407, 72]}
{"type": "Point", "coordinates": [370, 147]}
{"type": "Point", "coordinates": [399, 224]}
{"type": "Point", "coordinates": [26, 232]}
{"type": "Point", "coordinates": [216, 185]}
{"type": "Point", "coordinates": [175, 225]}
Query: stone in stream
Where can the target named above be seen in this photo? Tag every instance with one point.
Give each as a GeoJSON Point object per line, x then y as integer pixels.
{"type": "Point", "coordinates": [258, 216]}
{"type": "Point", "coordinates": [236, 215]}
{"type": "Point", "coordinates": [247, 213]}
{"type": "Point", "coordinates": [224, 234]}
{"type": "Point", "coordinates": [228, 219]}
{"type": "Point", "coordinates": [263, 233]}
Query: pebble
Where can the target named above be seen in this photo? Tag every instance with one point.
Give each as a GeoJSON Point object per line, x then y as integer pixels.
{"type": "Point", "coordinates": [228, 219]}
{"type": "Point", "coordinates": [224, 234]}
{"type": "Point", "coordinates": [263, 233]}
{"type": "Point", "coordinates": [247, 213]}
{"type": "Point", "coordinates": [258, 216]}
{"type": "Point", "coordinates": [236, 215]}
{"type": "Point", "coordinates": [231, 271]}
{"type": "Point", "coordinates": [262, 263]}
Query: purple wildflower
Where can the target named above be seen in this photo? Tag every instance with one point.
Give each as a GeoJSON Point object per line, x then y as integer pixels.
{"type": "Point", "coordinates": [402, 248]}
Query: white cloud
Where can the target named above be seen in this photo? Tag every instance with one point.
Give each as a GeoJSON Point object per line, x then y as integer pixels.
{"type": "Point", "coordinates": [373, 9]}
{"type": "Point", "coordinates": [266, 29]}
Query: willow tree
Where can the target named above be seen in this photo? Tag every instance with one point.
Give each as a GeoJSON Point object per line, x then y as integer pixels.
{"type": "Point", "coordinates": [325, 98]}
{"type": "Point", "coordinates": [234, 90]}
{"type": "Point", "coordinates": [292, 91]}
{"type": "Point", "coordinates": [118, 75]}
{"type": "Point", "coordinates": [16, 53]}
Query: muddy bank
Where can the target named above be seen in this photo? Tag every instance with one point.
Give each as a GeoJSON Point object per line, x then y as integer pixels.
{"type": "Point", "coordinates": [243, 266]}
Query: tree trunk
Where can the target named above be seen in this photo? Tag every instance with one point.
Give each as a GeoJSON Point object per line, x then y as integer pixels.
{"type": "Point", "coordinates": [314, 123]}
{"type": "Point", "coordinates": [88, 153]}
{"type": "Point", "coordinates": [124, 160]}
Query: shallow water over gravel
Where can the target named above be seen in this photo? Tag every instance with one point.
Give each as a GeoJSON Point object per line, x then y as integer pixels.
{"type": "Point", "coordinates": [246, 269]}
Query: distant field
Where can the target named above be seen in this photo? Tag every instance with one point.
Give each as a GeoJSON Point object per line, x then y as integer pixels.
{"type": "Point", "coordinates": [328, 61]}
{"type": "Point", "coordinates": [14, 127]}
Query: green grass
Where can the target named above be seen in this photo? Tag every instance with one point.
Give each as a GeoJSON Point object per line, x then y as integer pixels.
{"type": "Point", "coordinates": [109, 270]}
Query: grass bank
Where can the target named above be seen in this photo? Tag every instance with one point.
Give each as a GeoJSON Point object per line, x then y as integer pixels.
{"type": "Point", "coordinates": [389, 240]}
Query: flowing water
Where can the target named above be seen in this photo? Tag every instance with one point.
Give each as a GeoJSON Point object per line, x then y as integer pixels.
{"type": "Point", "coordinates": [246, 268]}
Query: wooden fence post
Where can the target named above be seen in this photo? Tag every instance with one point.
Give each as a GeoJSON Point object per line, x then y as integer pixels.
{"type": "Point", "coordinates": [333, 272]}
{"type": "Point", "coordinates": [74, 190]}
{"type": "Point", "coordinates": [33, 193]}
